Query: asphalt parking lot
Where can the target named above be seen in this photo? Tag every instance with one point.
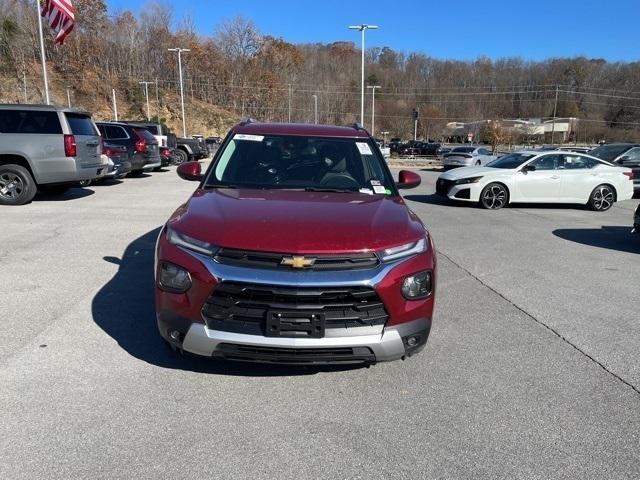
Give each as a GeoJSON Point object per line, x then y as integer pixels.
{"type": "Point", "coordinates": [531, 371]}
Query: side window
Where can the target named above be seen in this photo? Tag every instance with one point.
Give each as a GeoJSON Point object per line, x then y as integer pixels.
{"type": "Point", "coordinates": [482, 151]}
{"type": "Point", "coordinates": [548, 162]}
{"type": "Point", "coordinates": [633, 154]}
{"type": "Point", "coordinates": [577, 162]}
{"type": "Point", "coordinates": [29, 121]}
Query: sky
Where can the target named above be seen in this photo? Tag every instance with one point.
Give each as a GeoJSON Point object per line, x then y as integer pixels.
{"type": "Point", "coordinates": [445, 29]}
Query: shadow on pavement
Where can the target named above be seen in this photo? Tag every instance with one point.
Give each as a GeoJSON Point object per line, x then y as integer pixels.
{"type": "Point", "coordinates": [71, 194]}
{"type": "Point", "coordinates": [611, 238]}
{"type": "Point", "coordinates": [435, 199]}
{"type": "Point", "coordinates": [124, 308]}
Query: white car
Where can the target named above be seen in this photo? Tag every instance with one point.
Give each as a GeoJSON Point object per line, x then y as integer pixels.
{"type": "Point", "coordinates": [539, 177]}
{"type": "Point", "coordinates": [466, 156]}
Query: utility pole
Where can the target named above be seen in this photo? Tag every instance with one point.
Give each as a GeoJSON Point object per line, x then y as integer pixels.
{"type": "Point", "coordinates": [157, 101]}
{"type": "Point", "coordinates": [416, 115]}
{"type": "Point", "coordinates": [24, 84]}
{"type": "Point", "coordinates": [553, 126]}
{"type": "Point", "coordinates": [373, 108]}
{"type": "Point", "coordinates": [43, 57]}
{"type": "Point", "coordinates": [180, 50]}
{"type": "Point", "coordinates": [289, 103]}
{"type": "Point", "coordinates": [115, 105]}
{"type": "Point", "coordinates": [68, 97]}
{"type": "Point", "coordinates": [362, 29]}
{"type": "Point", "coordinates": [315, 108]}
{"type": "Point", "coordinates": [146, 95]}
{"type": "Point", "coordinates": [384, 138]}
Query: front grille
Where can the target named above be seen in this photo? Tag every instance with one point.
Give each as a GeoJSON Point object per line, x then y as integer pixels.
{"type": "Point", "coordinates": [248, 258]}
{"type": "Point", "coordinates": [295, 355]}
{"type": "Point", "coordinates": [243, 308]}
{"type": "Point", "coordinates": [443, 186]}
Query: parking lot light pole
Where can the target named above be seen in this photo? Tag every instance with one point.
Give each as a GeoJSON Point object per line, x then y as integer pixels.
{"type": "Point", "coordinates": [315, 108]}
{"type": "Point", "coordinates": [180, 50]}
{"type": "Point", "coordinates": [384, 137]}
{"type": "Point", "coordinates": [68, 97]}
{"type": "Point", "coordinates": [373, 108]}
{"type": "Point", "coordinates": [362, 29]}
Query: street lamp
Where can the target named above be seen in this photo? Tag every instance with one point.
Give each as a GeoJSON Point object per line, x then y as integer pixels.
{"type": "Point", "coordinates": [315, 109]}
{"type": "Point", "coordinates": [384, 136]}
{"type": "Point", "coordinates": [373, 109]}
{"type": "Point", "coordinates": [362, 29]}
{"type": "Point", "coordinates": [180, 50]}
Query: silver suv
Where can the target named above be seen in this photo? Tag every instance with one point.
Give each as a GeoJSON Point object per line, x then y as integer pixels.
{"type": "Point", "coordinates": [48, 148]}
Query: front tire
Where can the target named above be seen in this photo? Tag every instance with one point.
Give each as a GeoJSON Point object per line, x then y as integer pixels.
{"type": "Point", "coordinates": [602, 198]}
{"type": "Point", "coordinates": [494, 196]}
{"type": "Point", "coordinates": [181, 157]}
{"type": "Point", "coordinates": [17, 186]}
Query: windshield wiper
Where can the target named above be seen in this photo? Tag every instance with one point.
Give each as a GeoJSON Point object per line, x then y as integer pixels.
{"type": "Point", "coordinates": [329, 189]}
{"type": "Point", "coordinates": [220, 185]}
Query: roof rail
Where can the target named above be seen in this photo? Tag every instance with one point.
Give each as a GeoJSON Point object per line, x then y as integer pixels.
{"type": "Point", "coordinates": [247, 120]}
{"type": "Point", "coordinates": [357, 126]}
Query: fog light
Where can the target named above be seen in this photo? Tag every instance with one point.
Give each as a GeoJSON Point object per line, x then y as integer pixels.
{"type": "Point", "coordinates": [175, 335]}
{"type": "Point", "coordinates": [173, 278]}
{"type": "Point", "coordinates": [412, 341]}
{"type": "Point", "coordinates": [417, 285]}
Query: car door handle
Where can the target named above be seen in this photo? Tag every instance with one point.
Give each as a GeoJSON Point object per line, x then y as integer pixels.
{"type": "Point", "coordinates": [555, 177]}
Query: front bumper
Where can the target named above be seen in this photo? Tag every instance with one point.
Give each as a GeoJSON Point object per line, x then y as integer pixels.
{"type": "Point", "coordinates": [466, 192]}
{"type": "Point", "coordinates": [182, 321]}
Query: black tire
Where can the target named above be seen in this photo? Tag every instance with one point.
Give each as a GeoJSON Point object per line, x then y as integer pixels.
{"type": "Point", "coordinates": [478, 163]}
{"type": "Point", "coordinates": [85, 183]}
{"type": "Point", "coordinates": [55, 189]}
{"type": "Point", "coordinates": [602, 198]}
{"type": "Point", "coordinates": [181, 157]}
{"type": "Point", "coordinates": [17, 186]}
{"type": "Point", "coordinates": [494, 196]}
{"type": "Point", "coordinates": [157, 169]}
{"type": "Point", "coordinates": [136, 173]}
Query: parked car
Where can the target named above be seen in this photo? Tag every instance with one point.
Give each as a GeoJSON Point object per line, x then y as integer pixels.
{"type": "Point", "coordinates": [159, 130]}
{"type": "Point", "coordinates": [213, 143]}
{"type": "Point", "coordinates": [118, 156]}
{"type": "Point", "coordinates": [466, 156]}
{"type": "Point", "coordinates": [190, 149]}
{"type": "Point", "coordinates": [296, 248]}
{"type": "Point", "coordinates": [623, 154]}
{"type": "Point", "coordinates": [46, 148]}
{"type": "Point", "coordinates": [429, 148]}
{"type": "Point", "coordinates": [636, 220]}
{"type": "Point", "coordinates": [166, 156]}
{"type": "Point", "coordinates": [539, 177]}
{"type": "Point", "coordinates": [442, 151]}
{"type": "Point", "coordinates": [141, 145]}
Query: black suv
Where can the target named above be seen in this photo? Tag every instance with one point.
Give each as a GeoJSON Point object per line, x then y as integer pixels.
{"type": "Point", "coordinates": [623, 154]}
{"type": "Point", "coordinates": [144, 154]}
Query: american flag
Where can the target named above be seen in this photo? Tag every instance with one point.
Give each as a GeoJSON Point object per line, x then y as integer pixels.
{"type": "Point", "coordinates": [60, 15]}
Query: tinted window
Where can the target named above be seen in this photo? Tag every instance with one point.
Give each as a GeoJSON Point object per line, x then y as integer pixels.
{"type": "Point", "coordinates": [609, 152]}
{"type": "Point", "coordinates": [146, 134]}
{"type": "Point", "coordinates": [152, 128]}
{"type": "Point", "coordinates": [114, 132]}
{"type": "Point", "coordinates": [633, 154]}
{"type": "Point", "coordinates": [282, 162]}
{"type": "Point", "coordinates": [463, 149]}
{"type": "Point", "coordinates": [482, 151]}
{"type": "Point", "coordinates": [80, 124]}
{"type": "Point", "coordinates": [29, 121]}
{"type": "Point", "coordinates": [576, 162]}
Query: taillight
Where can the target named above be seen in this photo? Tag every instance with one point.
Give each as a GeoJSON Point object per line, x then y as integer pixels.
{"type": "Point", "coordinates": [629, 174]}
{"type": "Point", "coordinates": [140, 145]}
{"type": "Point", "coordinates": [70, 149]}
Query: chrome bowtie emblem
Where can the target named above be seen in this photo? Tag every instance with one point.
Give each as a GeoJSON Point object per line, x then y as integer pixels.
{"type": "Point", "coordinates": [297, 261]}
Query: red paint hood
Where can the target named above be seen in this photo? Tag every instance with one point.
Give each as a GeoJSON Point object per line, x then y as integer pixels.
{"type": "Point", "coordinates": [297, 222]}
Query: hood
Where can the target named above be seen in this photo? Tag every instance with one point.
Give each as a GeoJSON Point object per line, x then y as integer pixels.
{"type": "Point", "coordinates": [297, 222]}
{"type": "Point", "coordinates": [464, 172]}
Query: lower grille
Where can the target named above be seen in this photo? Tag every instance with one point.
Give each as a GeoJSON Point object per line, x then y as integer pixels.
{"type": "Point", "coordinates": [243, 308]}
{"type": "Point", "coordinates": [232, 351]}
{"type": "Point", "coordinates": [443, 186]}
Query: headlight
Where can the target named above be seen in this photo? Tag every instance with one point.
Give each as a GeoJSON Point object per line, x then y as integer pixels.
{"type": "Point", "coordinates": [404, 250]}
{"type": "Point", "coordinates": [173, 278]}
{"type": "Point", "coordinates": [463, 181]}
{"type": "Point", "coordinates": [190, 243]}
{"type": "Point", "coordinates": [417, 285]}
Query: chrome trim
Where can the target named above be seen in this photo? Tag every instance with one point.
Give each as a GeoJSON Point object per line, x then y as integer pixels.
{"type": "Point", "coordinates": [386, 346]}
{"type": "Point", "coordinates": [296, 278]}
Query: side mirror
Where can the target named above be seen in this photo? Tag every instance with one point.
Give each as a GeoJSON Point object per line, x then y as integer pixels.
{"type": "Point", "coordinates": [528, 168]}
{"type": "Point", "coordinates": [624, 159]}
{"type": "Point", "coordinates": [408, 179]}
{"type": "Point", "coordinates": [191, 171]}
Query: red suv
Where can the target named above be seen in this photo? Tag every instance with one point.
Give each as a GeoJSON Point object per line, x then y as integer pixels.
{"type": "Point", "coordinates": [296, 248]}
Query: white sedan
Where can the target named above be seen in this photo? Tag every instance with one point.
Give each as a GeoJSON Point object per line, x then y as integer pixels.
{"type": "Point", "coordinates": [539, 177]}
{"type": "Point", "coordinates": [466, 156]}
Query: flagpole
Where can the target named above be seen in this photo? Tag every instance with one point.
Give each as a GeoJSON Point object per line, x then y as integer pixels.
{"type": "Point", "coordinates": [42, 55]}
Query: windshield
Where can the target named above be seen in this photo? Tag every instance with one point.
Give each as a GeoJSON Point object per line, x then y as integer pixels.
{"type": "Point", "coordinates": [513, 160]}
{"type": "Point", "coordinates": [609, 152]}
{"type": "Point", "coordinates": [311, 163]}
{"type": "Point", "coordinates": [152, 128]}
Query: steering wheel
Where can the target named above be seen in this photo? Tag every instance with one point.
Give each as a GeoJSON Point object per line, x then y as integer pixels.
{"type": "Point", "coordinates": [340, 180]}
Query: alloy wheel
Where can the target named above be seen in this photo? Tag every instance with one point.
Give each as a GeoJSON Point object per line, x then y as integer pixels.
{"type": "Point", "coordinates": [11, 186]}
{"type": "Point", "coordinates": [494, 197]}
{"type": "Point", "coordinates": [603, 198]}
